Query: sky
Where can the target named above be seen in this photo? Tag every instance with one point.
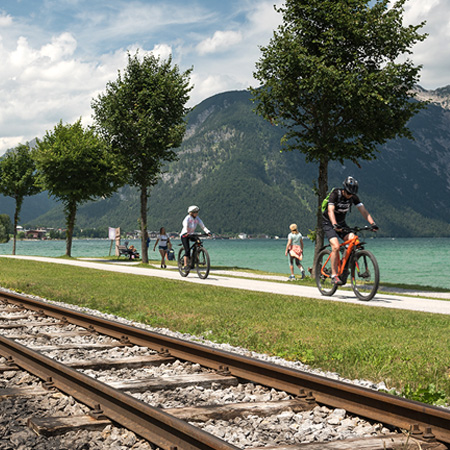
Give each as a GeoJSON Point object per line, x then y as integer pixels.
{"type": "Point", "coordinates": [56, 56]}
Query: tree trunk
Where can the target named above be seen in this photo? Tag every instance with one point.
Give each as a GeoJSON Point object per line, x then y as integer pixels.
{"type": "Point", "coordinates": [322, 190]}
{"type": "Point", "coordinates": [16, 220]}
{"type": "Point", "coordinates": [71, 211]}
{"type": "Point", "coordinates": [144, 200]}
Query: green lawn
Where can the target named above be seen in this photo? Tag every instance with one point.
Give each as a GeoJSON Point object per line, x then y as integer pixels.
{"type": "Point", "coordinates": [409, 351]}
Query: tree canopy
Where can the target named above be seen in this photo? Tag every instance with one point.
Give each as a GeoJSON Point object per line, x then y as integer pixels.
{"type": "Point", "coordinates": [333, 76]}
{"type": "Point", "coordinates": [5, 228]}
{"type": "Point", "coordinates": [141, 116]}
{"type": "Point", "coordinates": [18, 179]}
{"type": "Point", "coordinates": [74, 166]}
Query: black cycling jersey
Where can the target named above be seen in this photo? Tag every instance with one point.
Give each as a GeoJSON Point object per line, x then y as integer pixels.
{"type": "Point", "coordinates": [341, 205]}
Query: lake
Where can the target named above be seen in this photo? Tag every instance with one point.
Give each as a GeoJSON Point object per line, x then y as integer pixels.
{"type": "Point", "coordinates": [422, 261]}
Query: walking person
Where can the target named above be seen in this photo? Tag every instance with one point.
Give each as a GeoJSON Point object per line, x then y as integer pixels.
{"type": "Point", "coordinates": [294, 247]}
{"type": "Point", "coordinates": [164, 245]}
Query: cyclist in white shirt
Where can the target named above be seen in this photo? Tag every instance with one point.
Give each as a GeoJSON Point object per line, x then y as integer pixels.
{"type": "Point", "coordinates": [190, 223]}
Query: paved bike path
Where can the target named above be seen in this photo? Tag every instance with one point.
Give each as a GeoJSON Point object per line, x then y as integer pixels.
{"type": "Point", "coordinates": [220, 278]}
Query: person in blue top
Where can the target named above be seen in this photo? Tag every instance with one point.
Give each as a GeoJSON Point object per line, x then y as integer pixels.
{"type": "Point", "coordinates": [295, 248]}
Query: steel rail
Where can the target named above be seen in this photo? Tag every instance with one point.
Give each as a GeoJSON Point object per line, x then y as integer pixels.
{"type": "Point", "coordinates": [151, 423]}
{"type": "Point", "coordinates": [377, 406]}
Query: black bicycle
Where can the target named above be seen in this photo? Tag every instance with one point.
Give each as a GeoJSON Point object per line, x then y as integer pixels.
{"type": "Point", "coordinates": [199, 258]}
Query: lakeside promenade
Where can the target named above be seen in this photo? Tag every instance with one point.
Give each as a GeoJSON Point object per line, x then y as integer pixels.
{"type": "Point", "coordinates": [427, 302]}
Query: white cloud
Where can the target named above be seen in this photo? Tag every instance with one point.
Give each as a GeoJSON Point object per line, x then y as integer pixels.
{"type": "Point", "coordinates": [434, 52]}
{"type": "Point", "coordinates": [5, 20]}
{"type": "Point", "coordinates": [9, 142]}
{"type": "Point", "coordinates": [162, 51]}
{"type": "Point", "coordinates": [207, 86]}
{"type": "Point", "coordinates": [263, 18]}
{"type": "Point", "coordinates": [22, 54]}
{"type": "Point", "coordinates": [62, 45]}
{"type": "Point", "coordinates": [221, 41]}
{"type": "Point", "coordinates": [40, 86]}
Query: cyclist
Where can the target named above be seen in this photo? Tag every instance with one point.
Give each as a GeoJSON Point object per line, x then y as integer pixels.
{"type": "Point", "coordinates": [333, 220]}
{"type": "Point", "coordinates": [190, 223]}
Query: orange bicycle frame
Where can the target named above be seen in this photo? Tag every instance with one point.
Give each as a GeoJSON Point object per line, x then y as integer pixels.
{"type": "Point", "coordinates": [351, 244]}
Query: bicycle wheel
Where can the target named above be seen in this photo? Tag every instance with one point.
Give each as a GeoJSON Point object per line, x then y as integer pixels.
{"type": "Point", "coordinates": [365, 275]}
{"type": "Point", "coordinates": [323, 280]}
{"type": "Point", "coordinates": [202, 263]}
{"type": "Point", "coordinates": [183, 272]}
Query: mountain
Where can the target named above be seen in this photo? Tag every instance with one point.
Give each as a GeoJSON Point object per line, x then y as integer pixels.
{"type": "Point", "coordinates": [230, 164]}
{"type": "Point", "coordinates": [440, 96]}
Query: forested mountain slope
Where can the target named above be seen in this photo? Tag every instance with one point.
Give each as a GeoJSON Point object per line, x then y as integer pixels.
{"type": "Point", "coordinates": [230, 164]}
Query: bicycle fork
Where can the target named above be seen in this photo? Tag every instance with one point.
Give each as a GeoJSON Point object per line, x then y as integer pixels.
{"type": "Point", "coordinates": [366, 273]}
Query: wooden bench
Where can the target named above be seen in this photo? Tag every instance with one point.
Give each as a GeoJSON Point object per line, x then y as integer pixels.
{"type": "Point", "coordinates": [129, 253]}
{"type": "Point", "coordinates": [124, 250]}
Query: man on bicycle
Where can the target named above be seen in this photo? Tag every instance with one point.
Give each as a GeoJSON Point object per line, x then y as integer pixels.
{"type": "Point", "coordinates": [333, 220]}
{"type": "Point", "coordinates": [190, 223]}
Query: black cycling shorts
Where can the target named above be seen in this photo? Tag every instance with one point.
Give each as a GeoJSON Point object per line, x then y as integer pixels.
{"type": "Point", "coordinates": [330, 232]}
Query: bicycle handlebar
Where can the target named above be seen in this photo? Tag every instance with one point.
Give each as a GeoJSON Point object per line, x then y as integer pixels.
{"type": "Point", "coordinates": [358, 229]}
{"type": "Point", "coordinates": [199, 235]}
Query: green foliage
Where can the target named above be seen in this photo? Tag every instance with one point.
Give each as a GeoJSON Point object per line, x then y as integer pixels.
{"type": "Point", "coordinates": [18, 173]}
{"type": "Point", "coordinates": [92, 233]}
{"type": "Point", "coordinates": [330, 76]}
{"type": "Point", "coordinates": [55, 234]}
{"type": "Point", "coordinates": [6, 228]}
{"type": "Point", "coordinates": [74, 166]}
{"type": "Point", "coordinates": [312, 235]}
{"type": "Point", "coordinates": [18, 179]}
{"type": "Point", "coordinates": [338, 61]}
{"type": "Point", "coordinates": [141, 116]}
{"type": "Point", "coordinates": [428, 394]}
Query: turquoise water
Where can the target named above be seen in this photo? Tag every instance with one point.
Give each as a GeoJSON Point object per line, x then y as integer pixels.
{"type": "Point", "coordinates": [423, 261]}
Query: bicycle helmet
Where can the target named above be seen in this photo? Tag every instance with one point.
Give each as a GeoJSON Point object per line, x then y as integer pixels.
{"type": "Point", "coordinates": [350, 185]}
{"type": "Point", "coordinates": [193, 208]}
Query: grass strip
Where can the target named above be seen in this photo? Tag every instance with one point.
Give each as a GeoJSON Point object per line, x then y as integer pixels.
{"type": "Point", "coordinates": [408, 350]}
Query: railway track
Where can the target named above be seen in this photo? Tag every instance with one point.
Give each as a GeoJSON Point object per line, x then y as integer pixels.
{"type": "Point", "coordinates": [123, 374]}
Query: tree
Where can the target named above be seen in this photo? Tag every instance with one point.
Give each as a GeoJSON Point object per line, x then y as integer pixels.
{"type": "Point", "coordinates": [18, 180]}
{"type": "Point", "coordinates": [331, 76]}
{"type": "Point", "coordinates": [5, 228]}
{"type": "Point", "coordinates": [141, 115]}
{"type": "Point", "coordinates": [75, 166]}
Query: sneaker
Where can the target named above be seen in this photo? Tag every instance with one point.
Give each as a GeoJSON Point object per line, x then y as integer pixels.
{"type": "Point", "coordinates": [291, 277]}
{"type": "Point", "coordinates": [303, 274]}
{"type": "Point", "coordinates": [336, 280]}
